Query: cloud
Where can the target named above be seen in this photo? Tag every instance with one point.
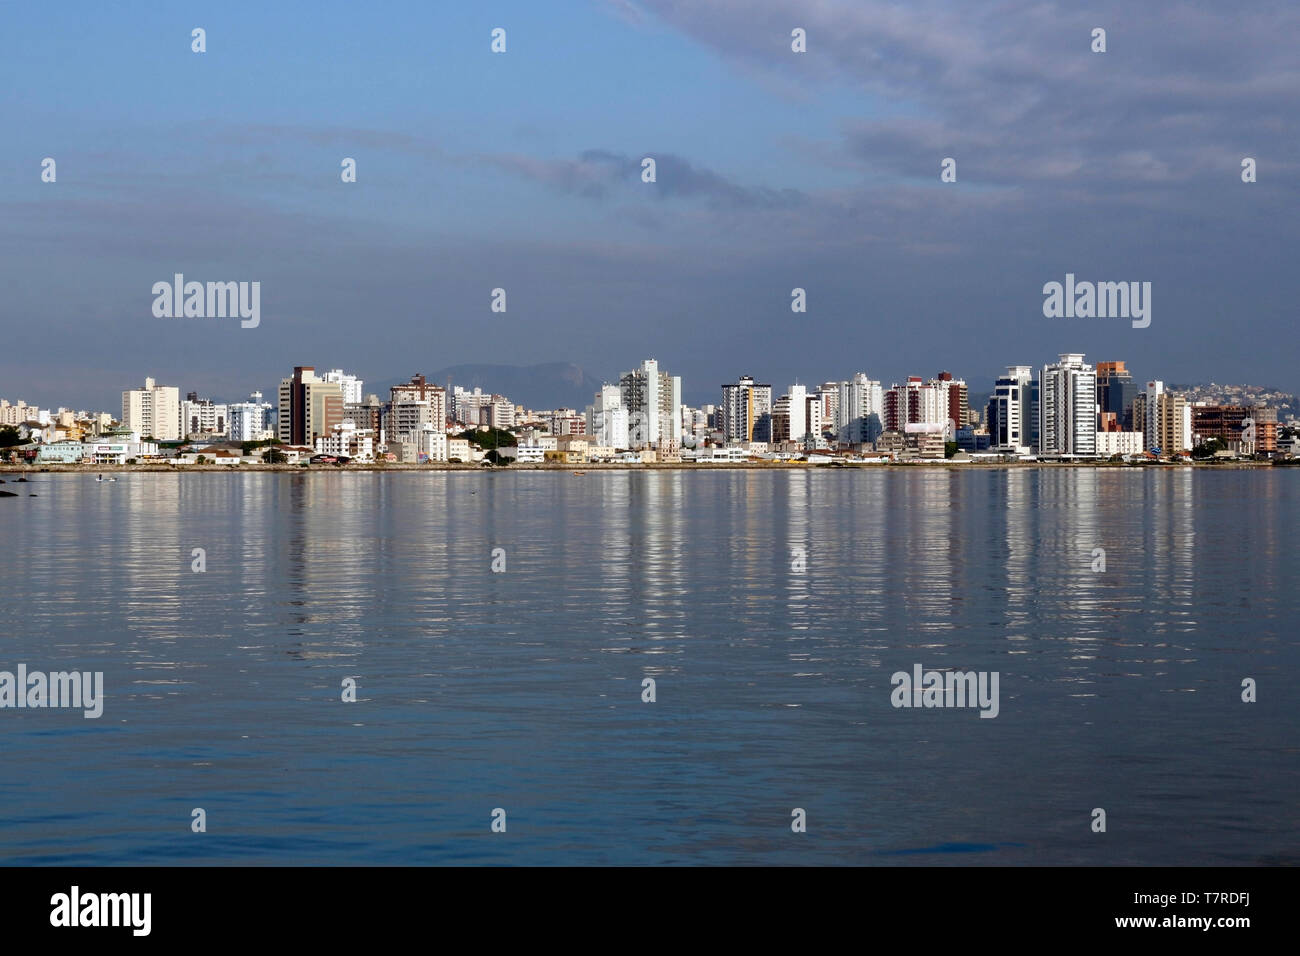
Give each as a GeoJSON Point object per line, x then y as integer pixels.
{"type": "Point", "coordinates": [1014, 92]}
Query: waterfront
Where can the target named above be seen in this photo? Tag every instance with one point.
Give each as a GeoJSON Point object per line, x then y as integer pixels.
{"type": "Point", "coordinates": [522, 689]}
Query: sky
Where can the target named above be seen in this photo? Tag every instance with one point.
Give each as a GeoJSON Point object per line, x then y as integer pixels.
{"type": "Point", "coordinates": [521, 170]}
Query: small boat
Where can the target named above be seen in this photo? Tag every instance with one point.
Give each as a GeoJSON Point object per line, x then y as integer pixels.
{"type": "Point", "coordinates": [579, 472]}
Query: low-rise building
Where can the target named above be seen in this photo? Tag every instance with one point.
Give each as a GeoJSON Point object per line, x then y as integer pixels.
{"type": "Point", "coordinates": [565, 457]}
{"type": "Point", "coordinates": [65, 452]}
{"type": "Point", "coordinates": [458, 450]}
{"type": "Point", "coordinates": [115, 451]}
{"type": "Point", "coordinates": [347, 441]}
{"type": "Point", "coordinates": [1111, 443]}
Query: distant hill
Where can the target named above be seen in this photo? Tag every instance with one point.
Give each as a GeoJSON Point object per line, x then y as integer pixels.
{"type": "Point", "coordinates": [552, 385]}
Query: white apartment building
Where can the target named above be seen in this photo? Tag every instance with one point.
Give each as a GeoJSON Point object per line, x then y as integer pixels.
{"type": "Point", "coordinates": [1166, 419]}
{"type": "Point", "coordinates": [22, 412]}
{"type": "Point", "coordinates": [798, 396]}
{"type": "Point", "coordinates": [1119, 443]}
{"type": "Point", "coordinates": [153, 411]}
{"type": "Point", "coordinates": [745, 405]}
{"type": "Point", "coordinates": [1012, 415]}
{"type": "Point", "coordinates": [432, 443]}
{"type": "Point", "coordinates": [1067, 408]}
{"type": "Point", "coordinates": [607, 418]}
{"type": "Point", "coordinates": [652, 398]}
{"type": "Point", "coordinates": [347, 441]}
{"type": "Point", "coordinates": [915, 403]}
{"type": "Point", "coordinates": [202, 417]}
{"type": "Point", "coordinates": [349, 384]}
{"type": "Point", "coordinates": [250, 420]}
{"type": "Point", "coordinates": [858, 410]}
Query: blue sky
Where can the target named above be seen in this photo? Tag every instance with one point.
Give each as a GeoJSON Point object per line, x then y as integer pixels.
{"type": "Point", "coordinates": [521, 170]}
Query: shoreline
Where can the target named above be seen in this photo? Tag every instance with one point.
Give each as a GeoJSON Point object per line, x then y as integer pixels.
{"type": "Point", "coordinates": [163, 468]}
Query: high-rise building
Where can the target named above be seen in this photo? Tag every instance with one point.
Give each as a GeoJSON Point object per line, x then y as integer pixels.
{"type": "Point", "coordinates": [796, 417]}
{"type": "Point", "coordinates": [828, 397]}
{"type": "Point", "coordinates": [958, 402]}
{"type": "Point", "coordinates": [153, 411]}
{"type": "Point", "coordinates": [653, 400]}
{"type": "Point", "coordinates": [607, 418]}
{"type": "Point", "coordinates": [915, 403]}
{"type": "Point", "coordinates": [203, 417]}
{"type": "Point", "coordinates": [858, 411]}
{"type": "Point", "coordinates": [366, 415]}
{"type": "Point", "coordinates": [1067, 408]}
{"type": "Point", "coordinates": [1228, 424]}
{"type": "Point", "coordinates": [18, 414]}
{"type": "Point", "coordinates": [798, 414]}
{"type": "Point", "coordinates": [420, 390]}
{"type": "Point", "coordinates": [481, 408]}
{"type": "Point", "coordinates": [412, 406]}
{"type": "Point", "coordinates": [746, 408]}
{"type": "Point", "coordinates": [1115, 393]}
{"type": "Point", "coordinates": [350, 384]}
{"type": "Point", "coordinates": [1012, 412]}
{"type": "Point", "coordinates": [1166, 419]}
{"type": "Point", "coordinates": [250, 420]}
{"type": "Point", "coordinates": [309, 407]}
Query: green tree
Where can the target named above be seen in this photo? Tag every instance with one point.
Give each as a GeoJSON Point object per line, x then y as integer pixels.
{"type": "Point", "coordinates": [1207, 449]}
{"type": "Point", "coordinates": [9, 436]}
{"type": "Point", "coordinates": [490, 438]}
{"type": "Point", "coordinates": [949, 449]}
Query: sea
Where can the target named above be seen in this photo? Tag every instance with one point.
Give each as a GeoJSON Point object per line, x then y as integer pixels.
{"type": "Point", "coordinates": [655, 667]}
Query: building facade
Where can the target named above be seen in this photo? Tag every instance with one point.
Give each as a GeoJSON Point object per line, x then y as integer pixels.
{"type": "Point", "coordinates": [309, 407]}
{"type": "Point", "coordinates": [1067, 408]}
{"type": "Point", "coordinates": [153, 411]}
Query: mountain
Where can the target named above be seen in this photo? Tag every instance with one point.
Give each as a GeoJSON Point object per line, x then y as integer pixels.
{"type": "Point", "coordinates": [552, 385]}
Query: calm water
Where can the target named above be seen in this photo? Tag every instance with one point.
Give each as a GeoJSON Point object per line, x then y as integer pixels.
{"type": "Point", "coordinates": [522, 690]}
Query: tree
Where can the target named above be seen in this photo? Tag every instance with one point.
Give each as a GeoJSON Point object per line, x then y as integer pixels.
{"type": "Point", "coordinates": [9, 436]}
{"type": "Point", "coordinates": [490, 438]}
{"type": "Point", "coordinates": [248, 447]}
{"type": "Point", "coordinates": [1207, 449]}
{"type": "Point", "coordinates": [949, 449]}
{"type": "Point", "coordinates": [273, 456]}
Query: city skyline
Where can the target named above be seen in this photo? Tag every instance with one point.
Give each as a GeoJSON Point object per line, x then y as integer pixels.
{"type": "Point", "coordinates": [1068, 409]}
